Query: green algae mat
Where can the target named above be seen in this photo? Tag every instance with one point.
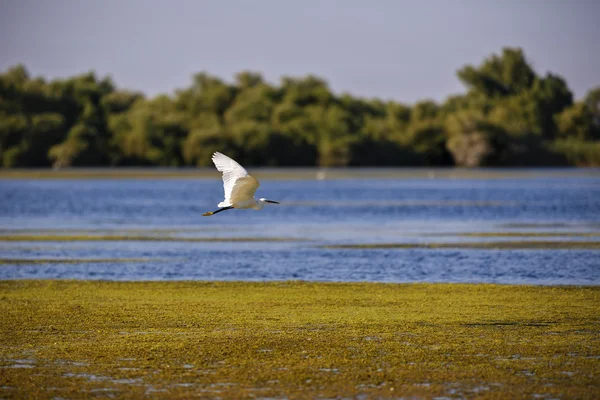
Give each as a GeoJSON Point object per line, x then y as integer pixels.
{"type": "Point", "coordinates": [87, 339]}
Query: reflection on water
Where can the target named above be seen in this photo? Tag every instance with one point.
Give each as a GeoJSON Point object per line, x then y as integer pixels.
{"type": "Point", "coordinates": [153, 229]}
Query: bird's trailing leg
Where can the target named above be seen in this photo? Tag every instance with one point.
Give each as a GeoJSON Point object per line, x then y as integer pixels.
{"type": "Point", "coordinates": [206, 214]}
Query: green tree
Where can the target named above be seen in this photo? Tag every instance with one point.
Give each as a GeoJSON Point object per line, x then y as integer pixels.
{"type": "Point", "coordinates": [499, 75]}
{"type": "Point", "coordinates": [592, 99]}
{"type": "Point", "coordinates": [307, 91]}
{"type": "Point", "coordinates": [208, 94]}
{"type": "Point", "coordinates": [151, 133]}
{"type": "Point", "coordinates": [577, 122]}
{"type": "Point", "coordinates": [509, 115]}
{"type": "Point", "coordinates": [474, 141]}
{"type": "Point", "coordinates": [87, 140]}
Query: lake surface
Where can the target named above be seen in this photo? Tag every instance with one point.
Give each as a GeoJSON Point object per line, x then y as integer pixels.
{"type": "Point", "coordinates": [296, 240]}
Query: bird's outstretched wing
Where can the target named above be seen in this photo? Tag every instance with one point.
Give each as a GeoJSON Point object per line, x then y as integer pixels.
{"type": "Point", "coordinates": [237, 183]}
{"type": "Point", "coordinates": [243, 190]}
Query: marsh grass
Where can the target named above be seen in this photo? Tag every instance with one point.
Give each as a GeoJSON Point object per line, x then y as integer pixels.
{"type": "Point", "coordinates": [498, 245]}
{"type": "Point", "coordinates": [519, 234]}
{"type": "Point", "coordinates": [149, 237]}
{"type": "Point", "coordinates": [236, 340]}
{"type": "Point", "coordinates": [550, 225]}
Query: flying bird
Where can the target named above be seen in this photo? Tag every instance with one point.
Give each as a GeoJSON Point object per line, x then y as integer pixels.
{"type": "Point", "coordinates": [239, 186]}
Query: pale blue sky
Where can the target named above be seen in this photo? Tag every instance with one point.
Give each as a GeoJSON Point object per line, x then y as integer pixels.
{"type": "Point", "coordinates": [405, 50]}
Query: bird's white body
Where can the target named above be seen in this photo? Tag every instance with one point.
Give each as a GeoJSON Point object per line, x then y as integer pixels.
{"type": "Point", "coordinates": [252, 203]}
{"type": "Point", "coordinates": [238, 185]}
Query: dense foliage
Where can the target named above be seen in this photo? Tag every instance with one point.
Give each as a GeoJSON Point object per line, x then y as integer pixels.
{"type": "Point", "coordinates": [509, 116]}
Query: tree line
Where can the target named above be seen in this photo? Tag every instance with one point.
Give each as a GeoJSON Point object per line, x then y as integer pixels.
{"type": "Point", "coordinates": [509, 115]}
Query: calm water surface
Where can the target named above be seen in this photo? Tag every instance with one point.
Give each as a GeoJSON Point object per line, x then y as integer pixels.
{"type": "Point", "coordinates": [313, 214]}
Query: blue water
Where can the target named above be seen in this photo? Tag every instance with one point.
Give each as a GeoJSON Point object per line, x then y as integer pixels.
{"type": "Point", "coordinates": [312, 214]}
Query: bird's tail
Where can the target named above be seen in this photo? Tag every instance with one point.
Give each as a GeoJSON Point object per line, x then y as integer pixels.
{"type": "Point", "coordinates": [224, 204]}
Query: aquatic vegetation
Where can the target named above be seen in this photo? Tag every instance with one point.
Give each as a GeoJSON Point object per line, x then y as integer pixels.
{"type": "Point", "coordinates": [519, 234]}
{"type": "Point", "coordinates": [297, 339]}
{"type": "Point", "coordinates": [509, 245]}
{"type": "Point", "coordinates": [550, 225]}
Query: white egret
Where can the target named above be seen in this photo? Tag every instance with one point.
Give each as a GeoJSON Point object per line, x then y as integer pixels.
{"type": "Point", "coordinates": [239, 186]}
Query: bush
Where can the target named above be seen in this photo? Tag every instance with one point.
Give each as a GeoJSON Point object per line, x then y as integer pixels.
{"type": "Point", "coordinates": [581, 153]}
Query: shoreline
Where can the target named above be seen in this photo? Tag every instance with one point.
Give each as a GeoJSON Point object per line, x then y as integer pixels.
{"type": "Point", "coordinates": [301, 173]}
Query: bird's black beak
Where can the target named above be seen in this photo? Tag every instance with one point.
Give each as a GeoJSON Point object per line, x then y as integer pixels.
{"type": "Point", "coordinates": [271, 201]}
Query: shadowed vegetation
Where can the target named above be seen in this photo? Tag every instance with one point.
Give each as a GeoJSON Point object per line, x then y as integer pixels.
{"type": "Point", "coordinates": [509, 115]}
{"type": "Point", "coordinates": [295, 339]}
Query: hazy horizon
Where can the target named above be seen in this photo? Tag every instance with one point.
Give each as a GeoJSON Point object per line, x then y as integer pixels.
{"type": "Point", "coordinates": [405, 50]}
